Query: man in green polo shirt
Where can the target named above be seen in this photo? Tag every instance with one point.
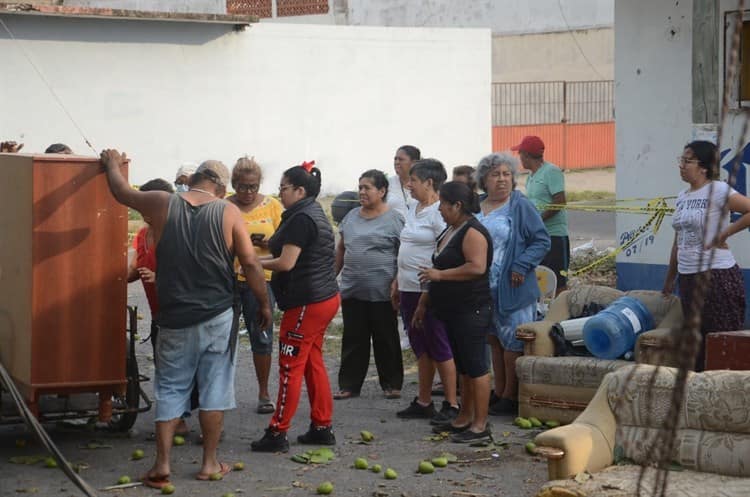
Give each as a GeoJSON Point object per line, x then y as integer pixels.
{"type": "Point", "coordinates": [545, 185]}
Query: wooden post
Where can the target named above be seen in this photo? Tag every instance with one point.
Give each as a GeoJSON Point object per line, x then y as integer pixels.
{"type": "Point", "coordinates": [706, 28]}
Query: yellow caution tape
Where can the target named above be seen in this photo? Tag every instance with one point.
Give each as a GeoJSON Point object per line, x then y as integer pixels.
{"type": "Point", "coordinates": [658, 209]}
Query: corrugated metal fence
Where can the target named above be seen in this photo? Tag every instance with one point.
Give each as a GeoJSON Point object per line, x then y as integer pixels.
{"type": "Point", "coordinates": [575, 119]}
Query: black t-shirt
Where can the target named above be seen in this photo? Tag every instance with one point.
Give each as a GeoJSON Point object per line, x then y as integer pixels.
{"type": "Point", "coordinates": [300, 231]}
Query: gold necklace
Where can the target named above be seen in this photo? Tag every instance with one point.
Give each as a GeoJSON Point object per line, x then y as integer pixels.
{"type": "Point", "coordinates": [201, 191]}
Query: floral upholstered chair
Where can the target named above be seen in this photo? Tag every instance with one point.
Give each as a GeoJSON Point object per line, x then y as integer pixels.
{"type": "Point", "coordinates": [560, 387]}
{"type": "Point", "coordinates": [712, 445]}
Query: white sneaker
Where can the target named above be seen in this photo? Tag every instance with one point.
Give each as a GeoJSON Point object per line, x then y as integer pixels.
{"type": "Point", "coordinates": [405, 345]}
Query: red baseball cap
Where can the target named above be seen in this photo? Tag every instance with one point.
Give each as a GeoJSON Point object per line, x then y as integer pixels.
{"type": "Point", "coordinates": [531, 145]}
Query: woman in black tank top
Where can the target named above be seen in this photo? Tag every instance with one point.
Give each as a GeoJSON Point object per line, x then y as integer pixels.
{"type": "Point", "coordinates": [459, 294]}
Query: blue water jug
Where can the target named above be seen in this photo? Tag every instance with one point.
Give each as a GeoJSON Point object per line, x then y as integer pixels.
{"type": "Point", "coordinates": [612, 332]}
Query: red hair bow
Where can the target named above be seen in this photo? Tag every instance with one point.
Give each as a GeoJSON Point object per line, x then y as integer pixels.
{"type": "Point", "coordinates": [307, 166]}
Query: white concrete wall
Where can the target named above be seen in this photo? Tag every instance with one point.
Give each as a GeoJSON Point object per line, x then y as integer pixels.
{"type": "Point", "coordinates": [532, 41]}
{"type": "Point", "coordinates": [193, 6]}
{"type": "Point", "coordinates": [172, 92]}
{"type": "Point", "coordinates": [653, 78]}
{"type": "Point", "coordinates": [502, 16]}
{"type": "Point", "coordinates": [554, 56]}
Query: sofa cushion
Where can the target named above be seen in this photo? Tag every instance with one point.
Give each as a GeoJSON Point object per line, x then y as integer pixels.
{"type": "Point", "coordinates": [586, 372]}
{"type": "Point", "coordinates": [713, 425]}
{"type": "Point", "coordinates": [718, 401]}
{"type": "Point", "coordinates": [636, 401]}
{"type": "Point", "coordinates": [621, 481]}
{"type": "Point", "coordinates": [707, 451]}
{"type": "Point", "coordinates": [659, 306]}
{"type": "Point", "coordinates": [583, 295]}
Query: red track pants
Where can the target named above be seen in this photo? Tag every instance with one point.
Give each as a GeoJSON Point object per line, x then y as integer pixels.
{"type": "Point", "coordinates": [301, 353]}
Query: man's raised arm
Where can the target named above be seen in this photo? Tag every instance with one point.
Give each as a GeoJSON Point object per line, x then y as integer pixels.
{"type": "Point", "coordinates": [151, 204]}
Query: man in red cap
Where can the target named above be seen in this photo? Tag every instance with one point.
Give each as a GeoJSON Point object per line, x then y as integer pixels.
{"type": "Point", "coordinates": [544, 186]}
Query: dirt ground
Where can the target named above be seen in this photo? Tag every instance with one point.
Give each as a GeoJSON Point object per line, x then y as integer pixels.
{"type": "Point", "coordinates": [502, 469]}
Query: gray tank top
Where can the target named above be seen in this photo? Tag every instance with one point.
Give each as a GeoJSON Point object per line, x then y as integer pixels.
{"type": "Point", "coordinates": [194, 267]}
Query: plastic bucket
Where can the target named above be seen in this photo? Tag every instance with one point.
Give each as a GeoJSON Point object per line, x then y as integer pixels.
{"type": "Point", "coordinates": [612, 332]}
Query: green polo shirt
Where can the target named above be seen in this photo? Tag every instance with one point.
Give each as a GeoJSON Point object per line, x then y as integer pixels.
{"type": "Point", "coordinates": [547, 181]}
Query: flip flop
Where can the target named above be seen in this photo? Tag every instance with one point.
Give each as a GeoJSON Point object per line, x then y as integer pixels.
{"type": "Point", "coordinates": [345, 394]}
{"type": "Point", "coordinates": [265, 406]}
{"type": "Point", "coordinates": [225, 468]}
{"type": "Point", "coordinates": [157, 482]}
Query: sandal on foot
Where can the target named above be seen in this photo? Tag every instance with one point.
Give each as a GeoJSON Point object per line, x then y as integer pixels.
{"type": "Point", "coordinates": [224, 469]}
{"type": "Point", "coordinates": [392, 394]}
{"type": "Point", "coordinates": [157, 482]}
{"type": "Point", "coordinates": [345, 394]}
{"type": "Point", "coordinates": [265, 406]}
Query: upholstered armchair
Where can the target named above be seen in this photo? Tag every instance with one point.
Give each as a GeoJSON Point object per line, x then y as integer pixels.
{"type": "Point", "coordinates": [560, 387]}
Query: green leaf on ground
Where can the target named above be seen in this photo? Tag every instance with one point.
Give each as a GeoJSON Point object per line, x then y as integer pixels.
{"type": "Point", "coordinates": [28, 460]}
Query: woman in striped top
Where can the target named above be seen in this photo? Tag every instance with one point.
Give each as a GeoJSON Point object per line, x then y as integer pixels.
{"type": "Point", "coordinates": [366, 258]}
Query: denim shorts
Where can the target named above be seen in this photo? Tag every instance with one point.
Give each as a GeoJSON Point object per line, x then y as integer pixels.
{"type": "Point", "coordinates": [201, 354]}
{"type": "Point", "coordinates": [504, 326]}
{"type": "Point", "coordinates": [261, 341]}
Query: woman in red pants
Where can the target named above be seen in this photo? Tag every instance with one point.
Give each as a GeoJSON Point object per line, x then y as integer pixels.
{"type": "Point", "coordinates": [304, 283]}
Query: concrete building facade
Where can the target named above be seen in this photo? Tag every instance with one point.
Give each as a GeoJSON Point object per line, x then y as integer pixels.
{"type": "Point", "coordinates": [671, 65]}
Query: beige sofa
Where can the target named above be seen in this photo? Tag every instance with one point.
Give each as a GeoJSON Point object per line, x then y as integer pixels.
{"type": "Point", "coordinates": [560, 387]}
{"type": "Point", "coordinates": [712, 448]}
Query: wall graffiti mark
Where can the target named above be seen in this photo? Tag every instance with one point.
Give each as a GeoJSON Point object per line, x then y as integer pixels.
{"type": "Point", "coordinates": [639, 246]}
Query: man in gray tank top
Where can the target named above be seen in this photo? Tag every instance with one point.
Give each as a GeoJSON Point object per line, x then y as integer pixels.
{"type": "Point", "coordinates": [197, 236]}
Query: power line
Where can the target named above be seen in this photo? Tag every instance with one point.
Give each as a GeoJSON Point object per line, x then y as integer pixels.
{"type": "Point", "coordinates": [49, 86]}
{"type": "Point", "coordinates": [575, 40]}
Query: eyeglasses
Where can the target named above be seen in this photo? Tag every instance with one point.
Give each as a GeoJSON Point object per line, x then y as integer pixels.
{"type": "Point", "coordinates": [246, 188]}
{"type": "Point", "coordinates": [284, 187]}
{"type": "Point", "coordinates": [682, 161]}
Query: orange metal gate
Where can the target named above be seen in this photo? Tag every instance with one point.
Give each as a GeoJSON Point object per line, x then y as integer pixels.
{"type": "Point", "coordinates": [574, 119]}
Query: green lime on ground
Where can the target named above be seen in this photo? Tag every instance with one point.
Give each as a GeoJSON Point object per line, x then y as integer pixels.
{"type": "Point", "coordinates": [168, 489]}
{"type": "Point", "coordinates": [50, 463]}
{"type": "Point", "coordinates": [239, 466]}
{"type": "Point", "coordinates": [376, 468]}
{"type": "Point", "coordinates": [179, 440]}
{"type": "Point", "coordinates": [360, 463]}
{"type": "Point", "coordinates": [390, 474]}
{"type": "Point", "coordinates": [325, 488]}
{"type": "Point", "coordinates": [426, 467]}
{"type": "Point", "coordinates": [137, 454]}
{"type": "Point", "coordinates": [123, 480]}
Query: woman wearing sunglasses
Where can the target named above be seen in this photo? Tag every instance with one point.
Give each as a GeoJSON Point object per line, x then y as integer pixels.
{"type": "Point", "coordinates": [262, 215]}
